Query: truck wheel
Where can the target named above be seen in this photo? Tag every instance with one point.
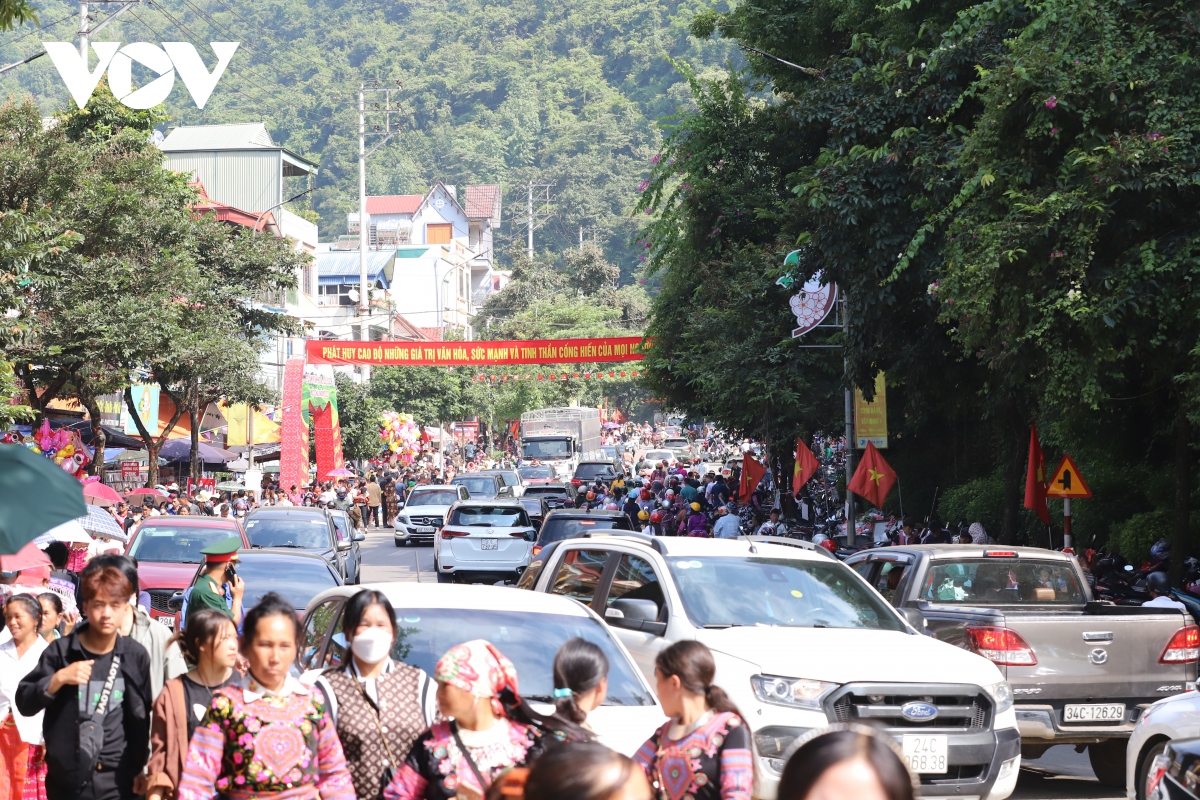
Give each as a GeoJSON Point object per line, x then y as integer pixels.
{"type": "Point", "coordinates": [1108, 761]}
{"type": "Point", "coordinates": [1143, 769]}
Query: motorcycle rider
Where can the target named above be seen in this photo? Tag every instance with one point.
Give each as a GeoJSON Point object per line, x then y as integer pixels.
{"type": "Point", "coordinates": [1159, 587]}
{"type": "Point", "coordinates": [727, 525]}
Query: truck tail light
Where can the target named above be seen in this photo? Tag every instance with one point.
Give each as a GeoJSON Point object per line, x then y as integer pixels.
{"type": "Point", "coordinates": [999, 553]}
{"type": "Point", "coordinates": [1001, 646]}
{"type": "Point", "coordinates": [1184, 647]}
{"type": "Point", "coordinates": [453, 534]}
{"type": "Point", "coordinates": [576, 482]}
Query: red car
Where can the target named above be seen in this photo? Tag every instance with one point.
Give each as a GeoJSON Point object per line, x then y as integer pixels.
{"type": "Point", "coordinates": [167, 550]}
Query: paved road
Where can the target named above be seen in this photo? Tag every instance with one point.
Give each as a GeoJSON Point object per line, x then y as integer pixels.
{"type": "Point", "coordinates": [1061, 774]}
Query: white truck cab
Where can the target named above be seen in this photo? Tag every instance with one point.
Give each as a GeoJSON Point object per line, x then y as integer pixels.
{"type": "Point", "coordinates": [800, 641]}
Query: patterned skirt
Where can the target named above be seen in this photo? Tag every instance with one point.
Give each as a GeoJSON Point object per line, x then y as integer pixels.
{"type": "Point", "coordinates": [22, 766]}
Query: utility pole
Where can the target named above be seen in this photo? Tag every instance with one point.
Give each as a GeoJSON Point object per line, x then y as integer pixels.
{"type": "Point", "coordinates": [530, 223]}
{"type": "Point", "coordinates": [83, 32]}
{"type": "Point", "coordinates": [535, 215]}
{"type": "Point", "coordinates": [849, 427]}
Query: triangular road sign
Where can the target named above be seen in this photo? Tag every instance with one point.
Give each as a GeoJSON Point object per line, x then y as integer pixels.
{"type": "Point", "coordinates": [1067, 482]}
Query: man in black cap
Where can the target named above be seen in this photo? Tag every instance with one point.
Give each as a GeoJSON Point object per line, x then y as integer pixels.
{"type": "Point", "coordinates": [220, 571]}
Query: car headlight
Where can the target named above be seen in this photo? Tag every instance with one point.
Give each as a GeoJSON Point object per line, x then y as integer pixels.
{"type": "Point", "coordinates": [794, 692]}
{"type": "Point", "coordinates": [774, 744]}
{"type": "Point", "coordinates": [1001, 694]}
{"type": "Point", "coordinates": [401, 520]}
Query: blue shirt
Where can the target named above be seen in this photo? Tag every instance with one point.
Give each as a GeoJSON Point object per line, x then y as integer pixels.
{"type": "Point", "coordinates": [727, 527]}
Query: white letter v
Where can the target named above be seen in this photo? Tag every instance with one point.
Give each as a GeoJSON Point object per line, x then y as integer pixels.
{"type": "Point", "coordinates": [73, 68]}
{"type": "Point", "coordinates": [199, 82]}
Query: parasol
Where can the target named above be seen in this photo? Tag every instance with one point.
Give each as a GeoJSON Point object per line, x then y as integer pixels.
{"type": "Point", "coordinates": [101, 523]}
{"type": "Point", "coordinates": [68, 533]}
{"type": "Point", "coordinates": [339, 473]}
{"type": "Point", "coordinates": [97, 494]}
{"type": "Point", "coordinates": [230, 486]}
{"type": "Point", "coordinates": [37, 495]}
{"type": "Point", "coordinates": [28, 557]}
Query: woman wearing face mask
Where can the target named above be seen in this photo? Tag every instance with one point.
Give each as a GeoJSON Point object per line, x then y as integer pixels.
{"type": "Point", "coordinates": [209, 642]}
{"type": "Point", "coordinates": [378, 705]}
{"type": "Point", "coordinates": [493, 729]}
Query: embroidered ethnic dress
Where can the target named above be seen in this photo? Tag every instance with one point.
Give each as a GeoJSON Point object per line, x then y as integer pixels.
{"type": "Point", "coordinates": [435, 767]}
{"type": "Point", "coordinates": [255, 744]}
{"type": "Point", "coordinates": [712, 762]}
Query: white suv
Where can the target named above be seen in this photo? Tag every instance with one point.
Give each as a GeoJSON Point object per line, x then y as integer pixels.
{"type": "Point", "coordinates": [424, 512]}
{"type": "Point", "coordinates": [484, 541]}
{"type": "Point", "coordinates": [800, 641]}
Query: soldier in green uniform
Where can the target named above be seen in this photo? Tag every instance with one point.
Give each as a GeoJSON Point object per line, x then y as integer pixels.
{"type": "Point", "coordinates": [220, 569]}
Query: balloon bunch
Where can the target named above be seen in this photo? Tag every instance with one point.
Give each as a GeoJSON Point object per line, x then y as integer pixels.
{"type": "Point", "coordinates": [63, 447]}
{"type": "Point", "coordinates": [401, 436]}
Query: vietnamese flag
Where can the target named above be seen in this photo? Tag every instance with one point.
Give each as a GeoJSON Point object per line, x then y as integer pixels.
{"type": "Point", "coordinates": [806, 466]}
{"type": "Point", "coordinates": [874, 477]}
{"type": "Point", "coordinates": [752, 473]}
{"type": "Point", "coordinates": [1035, 478]}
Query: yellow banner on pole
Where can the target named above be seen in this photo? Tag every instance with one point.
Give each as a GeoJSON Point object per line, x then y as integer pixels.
{"type": "Point", "coordinates": [870, 419]}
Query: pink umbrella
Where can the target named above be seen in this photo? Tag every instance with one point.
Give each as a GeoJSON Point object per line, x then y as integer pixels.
{"type": "Point", "coordinates": [96, 491]}
{"type": "Point", "coordinates": [144, 490]}
{"type": "Point", "coordinates": [339, 473]}
{"type": "Point", "coordinates": [28, 557]}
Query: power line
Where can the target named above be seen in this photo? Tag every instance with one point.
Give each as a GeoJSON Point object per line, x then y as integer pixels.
{"type": "Point", "coordinates": [263, 34]}
{"type": "Point", "coordinates": [45, 27]}
{"type": "Point", "coordinates": [227, 32]}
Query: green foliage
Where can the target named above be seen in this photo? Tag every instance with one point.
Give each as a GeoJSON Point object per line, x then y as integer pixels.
{"type": "Point", "coordinates": [980, 500]}
{"type": "Point", "coordinates": [16, 12]}
{"type": "Point", "coordinates": [358, 416]}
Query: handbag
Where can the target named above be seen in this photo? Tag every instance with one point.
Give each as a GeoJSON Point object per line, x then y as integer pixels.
{"type": "Point", "coordinates": [390, 770]}
{"type": "Point", "coordinates": [91, 730]}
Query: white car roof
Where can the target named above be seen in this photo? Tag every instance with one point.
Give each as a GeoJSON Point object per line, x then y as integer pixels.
{"type": "Point", "coordinates": [679, 546]}
{"type": "Point", "coordinates": [407, 594]}
{"type": "Point", "coordinates": [430, 487]}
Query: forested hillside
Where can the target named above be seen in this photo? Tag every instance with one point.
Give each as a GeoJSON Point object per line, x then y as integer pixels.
{"type": "Point", "coordinates": [494, 91]}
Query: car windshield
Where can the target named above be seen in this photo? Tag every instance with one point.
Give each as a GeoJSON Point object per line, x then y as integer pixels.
{"type": "Point", "coordinates": [175, 544]}
{"type": "Point", "coordinates": [308, 531]}
{"type": "Point", "coordinates": [589, 472]}
{"type": "Point", "coordinates": [478, 487]}
{"type": "Point", "coordinates": [1002, 581]}
{"type": "Point", "coordinates": [536, 473]}
{"type": "Point", "coordinates": [609, 451]}
{"type": "Point", "coordinates": [530, 641]}
{"type": "Point", "coordinates": [549, 448]}
{"type": "Point", "coordinates": [659, 455]}
{"type": "Point", "coordinates": [725, 592]}
{"type": "Point", "coordinates": [297, 579]}
{"type": "Point", "coordinates": [533, 506]}
{"type": "Point", "coordinates": [443, 497]}
{"type": "Point", "coordinates": [555, 530]}
{"type": "Point", "coordinates": [490, 517]}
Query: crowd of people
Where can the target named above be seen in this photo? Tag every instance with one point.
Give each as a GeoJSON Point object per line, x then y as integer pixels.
{"type": "Point", "coordinates": [110, 711]}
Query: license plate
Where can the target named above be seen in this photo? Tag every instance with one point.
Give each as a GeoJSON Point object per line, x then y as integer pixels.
{"type": "Point", "coordinates": [1095, 712]}
{"type": "Point", "coordinates": [490, 544]}
{"type": "Point", "coordinates": [926, 754]}
{"type": "Point", "coordinates": [168, 621]}
{"type": "Point", "coordinates": [424, 529]}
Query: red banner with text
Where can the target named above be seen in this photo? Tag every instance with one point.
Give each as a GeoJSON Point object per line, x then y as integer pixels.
{"type": "Point", "coordinates": [455, 354]}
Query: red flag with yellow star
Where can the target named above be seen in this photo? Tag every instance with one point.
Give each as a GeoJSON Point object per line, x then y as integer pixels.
{"type": "Point", "coordinates": [874, 477]}
{"type": "Point", "coordinates": [805, 467]}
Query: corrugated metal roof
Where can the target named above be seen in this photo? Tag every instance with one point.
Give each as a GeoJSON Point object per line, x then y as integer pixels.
{"type": "Point", "coordinates": [394, 204]}
{"type": "Point", "coordinates": [411, 252]}
{"type": "Point", "coordinates": [483, 202]}
{"type": "Point", "coordinates": [218, 137]}
{"type": "Point", "coordinates": [338, 264]}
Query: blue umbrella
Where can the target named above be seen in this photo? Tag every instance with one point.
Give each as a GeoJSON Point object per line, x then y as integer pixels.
{"type": "Point", "coordinates": [37, 496]}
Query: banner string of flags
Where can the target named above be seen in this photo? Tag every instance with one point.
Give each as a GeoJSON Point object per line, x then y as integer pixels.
{"type": "Point", "coordinates": [557, 376]}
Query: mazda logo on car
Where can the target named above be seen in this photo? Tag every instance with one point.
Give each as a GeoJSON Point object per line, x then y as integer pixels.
{"type": "Point", "coordinates": [918, 711]}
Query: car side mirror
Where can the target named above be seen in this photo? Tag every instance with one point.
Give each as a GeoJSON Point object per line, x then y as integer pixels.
{"type": "Point", "coordinates": [358, 537]}
{"type": "Point", "coordinates": [635, 615]}
{"type": "Point", "coordinates": [175, 603]}
{"type": "Point", "coordinates": [344, 545]}
{"type": "Point", "coordinates": [531, 535]}
{"type": "Point", "coordinates": [916, 619]}
{"type": "Point", "coordinates": [400, 504]}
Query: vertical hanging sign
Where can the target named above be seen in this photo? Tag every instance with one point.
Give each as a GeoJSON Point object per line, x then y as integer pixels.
{"type": "Point", "coordinates": [870, 419]}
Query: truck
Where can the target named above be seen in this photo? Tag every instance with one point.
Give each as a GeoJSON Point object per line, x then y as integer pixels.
{"type": "Point", "coordinates": [1082, 671]}
{"type": "Point", "coordinates": [560, 437]}
{"type": "Point", "coordinates": [800, 641]}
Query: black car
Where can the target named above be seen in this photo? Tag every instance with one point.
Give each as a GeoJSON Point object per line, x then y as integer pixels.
{"type": "Point", "coordinates": [298, 577]}
{"type": "Point", "coordinates": [570, 523]}
{"type": "Point", "coordinates": [590, 471]}
{"type": "Point", "coordinates": [537, 508]}
{"type": "Point", "coordinates": [308, 530]}
{"type": "Point", "coordinates": [556, 495]}
{"type": "Point", "coordinates": [1172, 775]}
{"type": "Point", "coordinates": [483, 487]}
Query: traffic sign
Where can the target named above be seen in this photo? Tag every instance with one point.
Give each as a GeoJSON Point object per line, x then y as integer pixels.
{"type": "Point", "coordinates": [1067, 483]}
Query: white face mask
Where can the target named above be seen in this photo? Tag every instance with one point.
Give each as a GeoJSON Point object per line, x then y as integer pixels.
{"type": "Point", "coordinates": [372, 645]}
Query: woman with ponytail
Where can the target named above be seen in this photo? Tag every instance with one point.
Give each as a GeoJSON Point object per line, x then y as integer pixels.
{"type": "Point", "coordinates": [580, 680]}
{"type": "Point", "coordinates": [703, 751]}
{"type": "Point", "coordinates": [491, 729]}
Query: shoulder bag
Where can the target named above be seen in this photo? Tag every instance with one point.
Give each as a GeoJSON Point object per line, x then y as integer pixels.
{"type": "Point", "coordinates": [91, 730]}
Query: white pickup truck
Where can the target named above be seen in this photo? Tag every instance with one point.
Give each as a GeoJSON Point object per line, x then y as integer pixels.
{"type": "Point", "coordinates": [800, 641]}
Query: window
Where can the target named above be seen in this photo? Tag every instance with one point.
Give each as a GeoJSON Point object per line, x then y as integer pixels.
{"type": "Point", "coordinates": [996, 581]}
{"type": "Point", "coordinates": [891, 575]}
{"type": "Point", "coordinates": [475, 232]}
{"type": "Point", "coordinates": [439, 233]}
{"type": "Point", "coordinates": [306, 278]}
{"type": "Point", "coordinates": [635, 579]}
{"type": "Point", "coordinates": [319, 623]}
{"type": "Point", "coordinates": [579, 574]}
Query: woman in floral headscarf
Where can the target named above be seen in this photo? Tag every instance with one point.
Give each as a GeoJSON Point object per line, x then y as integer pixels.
{"type": "Point", "coordinates": [492, 729]}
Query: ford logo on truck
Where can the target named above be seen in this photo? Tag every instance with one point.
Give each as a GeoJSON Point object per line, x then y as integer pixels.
{"type": "Point", "coordinates": [918, 711]}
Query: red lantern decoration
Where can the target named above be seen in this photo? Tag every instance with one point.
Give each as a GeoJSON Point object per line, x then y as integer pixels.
{"type": "Point", "coordinates": [622, 374]}
{"type": "Point", "coordinates": [539, 377]}
{"type": "Point", "coordinates": [612, 374]}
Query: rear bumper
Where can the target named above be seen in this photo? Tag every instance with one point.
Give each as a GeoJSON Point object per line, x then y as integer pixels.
{"type": "Point", "coordinates": [1043, 723]}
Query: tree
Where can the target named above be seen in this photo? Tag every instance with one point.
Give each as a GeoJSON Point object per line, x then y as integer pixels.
{"type": "Point", "coordinates": [358, 415]}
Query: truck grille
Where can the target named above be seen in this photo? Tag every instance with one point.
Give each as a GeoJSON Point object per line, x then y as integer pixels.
{"type": "Point", "coordinates": [955, 773]}
{"type": "Point", "coordinates": [159, 598]}
{"type": "Point", "coordinates": [959, 708]}
{"type": "Point", "coordinates": [434, 521]}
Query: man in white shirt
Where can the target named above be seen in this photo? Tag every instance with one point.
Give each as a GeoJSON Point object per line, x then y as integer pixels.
{"type": "Point", "coordinates": [1159, 586]}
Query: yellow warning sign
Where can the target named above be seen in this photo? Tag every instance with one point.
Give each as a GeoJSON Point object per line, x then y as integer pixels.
{"type": "Point", "coordinates": [1067, 482]}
